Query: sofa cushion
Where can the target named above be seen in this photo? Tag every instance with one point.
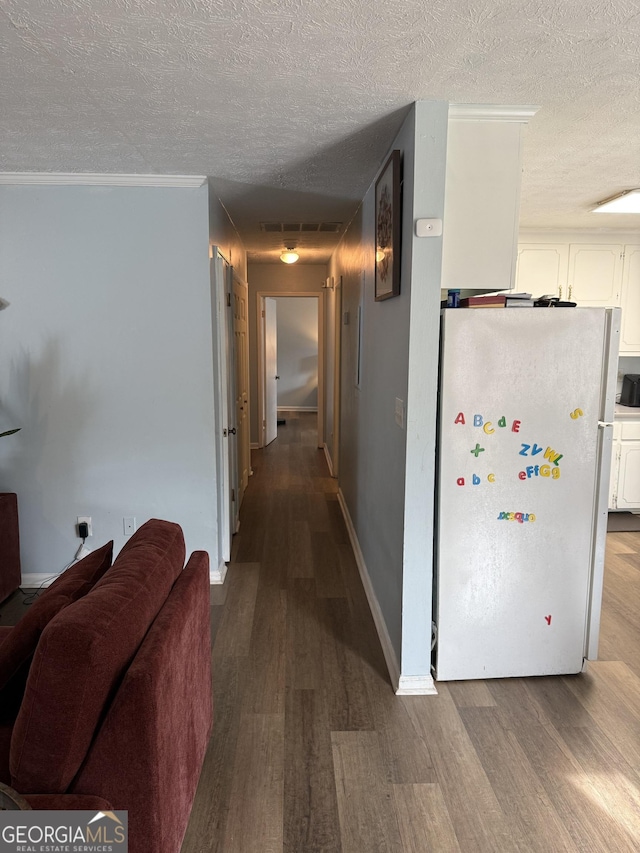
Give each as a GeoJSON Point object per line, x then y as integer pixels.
{"type": "Point", "coordinates": [20, 643]}
{"type": "Point", "coordinates": [82, 656]}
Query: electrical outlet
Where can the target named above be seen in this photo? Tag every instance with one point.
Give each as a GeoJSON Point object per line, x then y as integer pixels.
{"type": "Point", "coordinates": [129, 525]}
{"type": "Point", "coordinates": [86, 519]}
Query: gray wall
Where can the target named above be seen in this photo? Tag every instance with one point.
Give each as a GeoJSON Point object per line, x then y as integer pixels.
{"type": "Point", "coordinates": [422, 391]}
{"type": "Point", "coordinates": [297, 323]}
{"type": "Point", "coordinates": [274, 278]}
{"type": "Point", "coordinates": [106, 364]}
{"type": "Point", "coordinates": [393, 513]}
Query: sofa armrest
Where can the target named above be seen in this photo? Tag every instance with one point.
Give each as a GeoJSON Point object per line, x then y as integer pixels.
{"type": "Point", "coordinates": [77, 802]}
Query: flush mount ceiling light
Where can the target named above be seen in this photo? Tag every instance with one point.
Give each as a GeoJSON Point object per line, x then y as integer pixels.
{"type": "Point", "coordinates": [289, 256]}
{"type": "Point", "coordinates": [625, 202]}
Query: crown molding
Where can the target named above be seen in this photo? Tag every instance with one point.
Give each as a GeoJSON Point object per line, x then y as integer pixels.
{"type": "Point", "coordinates": [97, 179]}
{"type": "Point", "coordinates": [579, 235]}
{"type": "Point", "coordinates": [492, 112]}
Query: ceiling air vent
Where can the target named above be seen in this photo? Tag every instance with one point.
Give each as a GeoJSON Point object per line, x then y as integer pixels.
{"type": "Point", "coordinates": [297, 227]}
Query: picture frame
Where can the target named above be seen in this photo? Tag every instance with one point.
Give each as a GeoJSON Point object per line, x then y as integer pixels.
{"type": "Point", "coordinates": [387, 229]}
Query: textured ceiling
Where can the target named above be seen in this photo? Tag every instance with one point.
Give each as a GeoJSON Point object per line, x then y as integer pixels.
{"type": "Point", "coordinates": [289, 105]}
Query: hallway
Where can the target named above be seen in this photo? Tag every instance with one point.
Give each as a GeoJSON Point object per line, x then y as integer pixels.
{"type": "Point", "coordinates": [311, 750]}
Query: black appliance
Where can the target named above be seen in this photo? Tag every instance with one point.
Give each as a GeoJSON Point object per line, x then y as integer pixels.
{"type": "Point", "coordinates": [630, 395]}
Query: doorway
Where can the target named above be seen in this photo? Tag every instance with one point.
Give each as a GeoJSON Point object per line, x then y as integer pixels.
{"type": "Point", "coordinates": [293, 380]}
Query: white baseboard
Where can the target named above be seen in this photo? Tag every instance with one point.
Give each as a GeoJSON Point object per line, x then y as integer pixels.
{"type": "Point", "coordinates": [297, 409]}
{"type": "Point", "coordinates": [254, 445]}
{"type": "Point", "coordinates": [33, 580]}
{"type": "Point", "coordinates": [381, 627]}
{"type": "Point", "coordinates": [416, 685]}
{"type": "Point", "coordinates": [403, 685]}
{"type": "Point", "coordinates": [327, 456]}
{"type": "Point", "coordinates": [218, 575]}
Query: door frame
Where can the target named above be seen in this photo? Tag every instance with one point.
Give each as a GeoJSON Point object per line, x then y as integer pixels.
{"type": "Point", "coordinates": [260, 297]}
{"type": "Point", "coordinates": [219, 278]}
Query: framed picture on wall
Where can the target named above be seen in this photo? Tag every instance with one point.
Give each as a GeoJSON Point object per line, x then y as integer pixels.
{"type": "Point", "coordinates": [387, 209]}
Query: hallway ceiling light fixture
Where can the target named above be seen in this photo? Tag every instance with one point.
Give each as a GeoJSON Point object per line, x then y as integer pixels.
{"type": "Point", "coordinates": [289, 256]}
{"type": "Point", "coordinates": [625, 202]}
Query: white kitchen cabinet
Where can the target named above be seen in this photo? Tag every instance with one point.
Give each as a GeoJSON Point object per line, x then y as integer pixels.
{"type": "Point", "coordinates": [628, 494]}
{"type": "Point", "coordinates": [595, 275]}
{"type": "Point", "coordinates": [586, 273]}
{"type": "Point", "coordinates": [482, 196]}
{"type": "Point", "coordinates": [625, 472]}
{"type": "Point", "coordinates": [542, 268]}
{"type": "Point", "coordinates": [590, 274]}
{"type": "Point", "coordinates": [630, 331]}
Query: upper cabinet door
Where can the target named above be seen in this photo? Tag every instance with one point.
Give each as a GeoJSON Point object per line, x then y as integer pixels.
{"type": "Point", "coordinates": [630, 331]}
{"type": "Point", "coordinates": [595, 275]}
{"type": "Point", "coordinates": [482, 203]}
{"type": "Point", "coordinates": [542, 268]}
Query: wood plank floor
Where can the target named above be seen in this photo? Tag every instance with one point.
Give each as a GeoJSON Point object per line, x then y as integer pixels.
{"type": "Point", "coordinates": [311, 750]}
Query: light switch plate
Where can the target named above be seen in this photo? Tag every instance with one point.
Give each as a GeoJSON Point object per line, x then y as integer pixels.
{"type": "Point", "coordinates": [428, 227]}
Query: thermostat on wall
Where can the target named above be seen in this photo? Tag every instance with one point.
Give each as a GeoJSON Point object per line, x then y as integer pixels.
{"type": "Point", "coordinates": [428, 227]}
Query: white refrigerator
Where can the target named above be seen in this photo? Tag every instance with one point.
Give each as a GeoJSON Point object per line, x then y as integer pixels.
{"type": "Point", "coordinates": [524, 455]}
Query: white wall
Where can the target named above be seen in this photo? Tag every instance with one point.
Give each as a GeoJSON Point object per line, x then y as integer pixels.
{"type": "Point", "coordinates": [297, 325]}
{"type": "Point", "coordinates": [274, 278]}
{"type": "Point", "coordinates": [392, 513]}
{"type": "Point", "coordinates": [106, 354]}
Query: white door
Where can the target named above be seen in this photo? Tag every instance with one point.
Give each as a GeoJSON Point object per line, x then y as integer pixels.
{"type": "Point", "coordinates": [241, 351]}
{"type": "Point", "coordinates": [222, 361]}
{"type": "Point", "coordinates": [270, 370]}
{"type": "Point", "coordinates": [231, 426]}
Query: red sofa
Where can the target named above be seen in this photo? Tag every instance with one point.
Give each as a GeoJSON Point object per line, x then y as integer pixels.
{"type": "Point", "coordinates": [113, 710]}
